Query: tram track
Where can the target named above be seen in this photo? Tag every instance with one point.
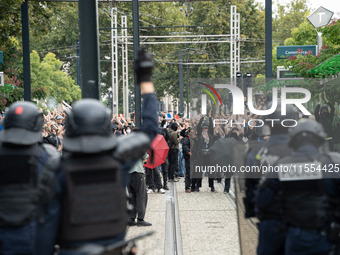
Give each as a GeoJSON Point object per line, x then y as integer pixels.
{"type": "Point", "coordinates": [173, 239]}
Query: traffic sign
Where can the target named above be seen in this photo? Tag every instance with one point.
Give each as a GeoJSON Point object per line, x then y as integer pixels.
{"type": "Point", "coordinates": [320, 17]}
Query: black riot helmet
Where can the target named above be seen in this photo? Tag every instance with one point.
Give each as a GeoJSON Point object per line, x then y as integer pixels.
{"type": "Point", "coordinates": [307, 130]}
{"type": "Point", "coordinates": [23, 124]}
{"type": "Point", "coordinates": [88, 128]}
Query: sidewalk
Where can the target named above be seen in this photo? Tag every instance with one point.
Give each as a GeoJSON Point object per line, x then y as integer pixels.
{"type": "Point", "coordinates": [208, 223]}
{"type": "Point", "coordinates": [155, 214]}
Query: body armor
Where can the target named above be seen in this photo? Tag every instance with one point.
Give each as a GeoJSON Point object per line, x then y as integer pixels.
{"type": "Point", "coordinates": [269, 155]}
{"type": "Point", "coordinates": [27, 181]}
{"type": "Point", "coordinates": [94, 206]}
{"type": "Point", "coordinates": [305, 202]}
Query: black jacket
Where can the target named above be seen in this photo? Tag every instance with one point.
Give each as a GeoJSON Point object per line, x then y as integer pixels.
{"type": "Point", "coordinates": [186, 147]}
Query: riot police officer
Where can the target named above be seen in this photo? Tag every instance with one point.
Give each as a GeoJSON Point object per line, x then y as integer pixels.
{"type": "Point", "coordinates": [267, 207]}
{"type": "Point", "coordinates": [29, 187]}
{"type": "Point", "coordinates": [308, 191]}
{"type": "Point", "coordinates": [94, 214]}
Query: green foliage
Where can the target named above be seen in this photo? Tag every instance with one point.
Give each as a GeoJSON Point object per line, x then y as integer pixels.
{"type": "Point", "coordinates": [10, 21]}
{"type": "Point", "coordinates": [47, 80]}
{"type": "Point", "coordinates": [327, 68]}
{"type": "Point", "coordinates": [54, 28]}
{"type": "Point", "coordinates": [331, 33]}
{"type": "Point", "coordinates": [302, 64]}
{"type": "Point", "coordinates": [288, 16]}
{"type": "Point", "coordinates": [304, 34]}
{"type": "Point", "coordinates": [267, 88]}
{"type": "Point", "coordinates": [58, 33]}
{"type": "Point", "coordinates": [47, 74]}
{"type": "Point", "coordinates": [260, 79]}
{"type": "Point", "coordinates": [13, 91]}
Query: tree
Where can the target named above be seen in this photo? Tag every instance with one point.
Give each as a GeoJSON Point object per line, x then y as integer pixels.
{"type": "Point", "coordinates": [54, 28]}
{"type": "Point", "coordinates": [304, 34]}
{"type": "Point", "coordinates": [331, 34]}
{"type": "Point", "coordinates": [47, 74]}
{"type": "Point", "coordinates": [288, 16]}
{"type": "Point", "coordinates": [58, 35]}
{"type": "Point", "coordinates": [10, 20]}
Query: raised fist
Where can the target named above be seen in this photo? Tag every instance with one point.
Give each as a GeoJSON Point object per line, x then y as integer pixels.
{"type": "Point", "coordinates": [143, 66]}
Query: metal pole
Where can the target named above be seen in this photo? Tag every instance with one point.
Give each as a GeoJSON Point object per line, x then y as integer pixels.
{"type": "Point", "coordinates": [114, 57]}
{"type": "Point", "coordinates": [237, 57]}
{"type": "Point", "coordinates": [232, 10]}
{"type": "Point", "coordinates": [135, 17]}
{"type": "Point", "coordinates": [26, 51]}
{"type": "Point", "coordinates": [78, 64]}
{"type": "Point", "coordinates": [268, 39]}
{"type": "Point", "coordinates": [180, 76]}
{"type": "Point", "coordinates": [187, 57]}
{"type": "Point", "coordinates": [319, 41]}
{"type": "Point", "coordinates": [89, 48]}
{"type": "Point", "coordinates": [125, 68]}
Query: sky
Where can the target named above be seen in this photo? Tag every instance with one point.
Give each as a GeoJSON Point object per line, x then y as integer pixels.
{"type": "Point", "coordinates": [332, 5]}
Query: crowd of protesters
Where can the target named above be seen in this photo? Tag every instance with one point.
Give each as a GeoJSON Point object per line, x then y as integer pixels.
{"type": "Point", "coordinates": [182, 136]}
{"type": "Point", "coordinates": [199, 134]}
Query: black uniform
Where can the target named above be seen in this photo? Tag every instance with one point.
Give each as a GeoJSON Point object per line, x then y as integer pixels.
{"type": "Point", "coordinates": [29, 184]}
{"type": "Point", "coordinates": [186, 150]}
{"type": "Point", "coordinates": [96, 170]}
{"type": "Point", "coordinates": [307, 186]}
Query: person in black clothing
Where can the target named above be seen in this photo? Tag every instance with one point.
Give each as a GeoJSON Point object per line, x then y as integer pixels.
{"type": "Point", "coordinates": [173, 152]}
{"type": "Point", "coordinates": [205, 139]}
{"type": "Point", "coordinates": [30, 184]}
{"type": "Point", "coordinates": [325, 118]}
{"type": "Point", "coordinates": [186, 154]}
{"type": "Point", "coordinates": [51, 137]}
{"type": "Point", "coordinates": [165, 166]}
{"type": "Point", "coordinates": [153, 180]}
{"type": "Point", "coordinates": [96, 166]}
{"type": "Point", "coordinates": [250, 133]}
{"type": "Point", "coordinates": [163, 123]}
{"type": "Point", "coordinates": [235, 133]}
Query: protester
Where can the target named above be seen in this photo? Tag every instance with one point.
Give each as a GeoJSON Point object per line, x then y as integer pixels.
{"type": "Point", "coordinates": [173, 152]}
{"type": "Point", "coordinates": [138, 194]}
{"type": "Point", "coordinates": [325, 118]}
{"type": "Point", "coordinates": [186, 154]}
{"type": "Point", "coordinates": [153, 180]}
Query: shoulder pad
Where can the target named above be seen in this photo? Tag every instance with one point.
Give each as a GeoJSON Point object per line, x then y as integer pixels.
{"type": "Point", "coordinates": [132, 146]}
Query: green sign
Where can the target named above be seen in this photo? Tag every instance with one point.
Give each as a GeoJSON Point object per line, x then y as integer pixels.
{"type": "Point", "coordinates": [290, 51]}
{"type": "Point", "coordinates": [1, 58]}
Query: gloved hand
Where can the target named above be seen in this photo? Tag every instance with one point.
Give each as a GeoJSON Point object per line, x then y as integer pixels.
{"type": "Point", "coordinates": [143, 66]}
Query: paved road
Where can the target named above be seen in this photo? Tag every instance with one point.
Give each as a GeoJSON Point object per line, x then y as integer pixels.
{"type": "Point", "coordinates": [207, 223]}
